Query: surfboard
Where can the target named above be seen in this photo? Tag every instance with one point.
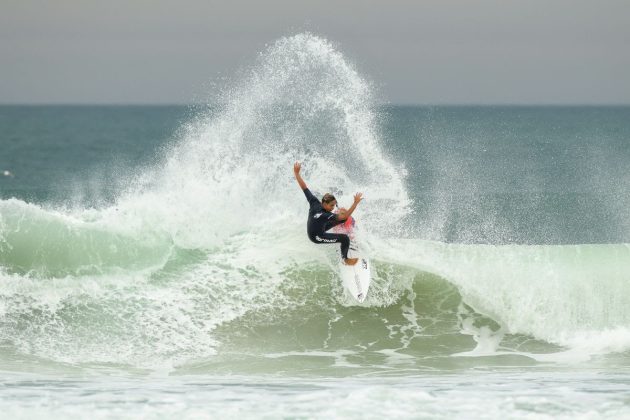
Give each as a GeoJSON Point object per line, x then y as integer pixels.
{"type": "Point", "coordinates": [355, 278]}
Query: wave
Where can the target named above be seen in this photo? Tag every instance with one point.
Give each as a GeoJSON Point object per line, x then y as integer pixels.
{"type": "Point", "coordinates": [563, 294]}
{"type": "Point", "coordinates": [203, 259]}
{"type": "Point", "coordinates": [47, 243]}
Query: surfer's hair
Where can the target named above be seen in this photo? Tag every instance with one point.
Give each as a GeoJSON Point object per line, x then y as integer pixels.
{"type": "Point", "coordinates": [328, 198]}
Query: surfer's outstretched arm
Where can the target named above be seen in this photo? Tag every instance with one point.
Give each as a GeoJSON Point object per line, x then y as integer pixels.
{"type": "Point", "coordinates": [296, 171]}
{"type": "Point", "coordinates": [344, 214]}
{"type": "Point", "coordinates": [307, 193]}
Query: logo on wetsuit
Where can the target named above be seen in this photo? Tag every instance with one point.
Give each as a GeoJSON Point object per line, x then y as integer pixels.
{"type": "Point", "coordinates": [325, 240]}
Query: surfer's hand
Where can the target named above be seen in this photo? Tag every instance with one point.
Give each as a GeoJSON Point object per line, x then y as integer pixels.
{"type": "Point", "coordinates": [296, 167]}
{"type": "Point", "coordinates": [358, 197]}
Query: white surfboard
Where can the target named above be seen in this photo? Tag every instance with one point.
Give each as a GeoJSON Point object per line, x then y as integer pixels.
{"type": "Point", "coordinates": [355, 278]}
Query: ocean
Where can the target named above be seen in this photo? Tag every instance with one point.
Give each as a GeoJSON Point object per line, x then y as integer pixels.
{"type": "Point", "coordinates": [154, 261]}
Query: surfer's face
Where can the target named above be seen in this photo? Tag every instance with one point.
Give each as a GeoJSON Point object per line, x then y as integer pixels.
{"type": "Point", "coordinates": [329, 206]}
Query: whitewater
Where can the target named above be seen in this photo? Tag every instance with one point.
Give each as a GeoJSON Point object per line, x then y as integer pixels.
{"type": "Point", "coordinates": [194, 291]}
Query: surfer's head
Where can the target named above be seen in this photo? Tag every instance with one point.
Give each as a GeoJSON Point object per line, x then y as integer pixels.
{"type": "Point", "coordinates": [329, 202]}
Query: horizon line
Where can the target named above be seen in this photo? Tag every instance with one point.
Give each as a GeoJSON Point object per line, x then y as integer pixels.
{"type": "Point", "coordinates": [419, 104]}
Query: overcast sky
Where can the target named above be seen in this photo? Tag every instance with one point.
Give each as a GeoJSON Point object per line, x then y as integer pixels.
{"type": "Point", "coordinates": [426, 52]}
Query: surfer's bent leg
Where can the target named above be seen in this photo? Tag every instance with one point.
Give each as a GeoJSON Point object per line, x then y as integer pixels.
{"type": "Point", "coordinates": [333, 238]}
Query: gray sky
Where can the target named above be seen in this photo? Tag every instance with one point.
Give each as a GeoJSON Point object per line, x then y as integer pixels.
{"type": "Point", "coordinates": [427, 52]}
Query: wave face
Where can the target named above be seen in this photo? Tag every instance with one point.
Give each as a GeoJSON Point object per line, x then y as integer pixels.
{"type": "Point", "coordinates": [202, 262]}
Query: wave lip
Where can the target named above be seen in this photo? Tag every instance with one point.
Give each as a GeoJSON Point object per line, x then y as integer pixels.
{"type": "Point", "coordinates": [576, 296]}
{"type": "Point", "coordinates": [46, 243]}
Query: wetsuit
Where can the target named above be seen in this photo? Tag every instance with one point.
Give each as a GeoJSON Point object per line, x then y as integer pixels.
{"type": "Point", "coordinates": [319, 221]}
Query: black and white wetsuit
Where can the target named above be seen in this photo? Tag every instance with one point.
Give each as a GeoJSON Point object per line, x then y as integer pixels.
{"type": "Point", "coordinates": [319, 221]}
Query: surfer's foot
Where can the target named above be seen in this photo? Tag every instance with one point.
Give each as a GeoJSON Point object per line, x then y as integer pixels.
{"type": "Point", "coordinates": [350, 261]}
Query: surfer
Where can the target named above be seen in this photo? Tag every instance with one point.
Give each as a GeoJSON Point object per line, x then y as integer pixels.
{"type": "Point", "coordinates": [321, 218]}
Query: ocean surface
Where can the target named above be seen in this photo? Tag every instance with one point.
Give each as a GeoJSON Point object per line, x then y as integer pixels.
{"type": "Point", "coordinates": [154, 261]}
